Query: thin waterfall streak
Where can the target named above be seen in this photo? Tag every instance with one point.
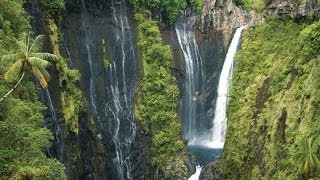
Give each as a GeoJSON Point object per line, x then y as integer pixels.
{"type": "Point", "coordinates": [89, 58]}
{"type": "Point", "coordinates": [91, 90]}
{"type": "Point", "coordinates": [69, 57]}
{"type": "Point", "coordinates": [123, 61]}
{"type": "Point", "coordinates": [58, 132]}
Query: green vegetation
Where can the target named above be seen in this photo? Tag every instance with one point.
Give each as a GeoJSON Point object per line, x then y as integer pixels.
{"type": "Point", "coordinates": [256, 5]}
{"type": "Point", "coordinates": [22, 136]}
{"type": "Point", "coordinates": [54, 7]}
{"type": "Point", "coordinates": [71, 97]}
{"type": "Point", "coordinates": [22, 141]}
{"type": "Point", "coordinates": [170, 9]}
{"type": "Point", "coordinates": [156, 108]}
{"type": "Point", "coordinates": [13, 23]}
{"type": "Point", "coordinates": [307, 155]}
{"type": "Point", "coordinates": [27, 58]}
{"type": "Point", "coordinates": [274, 111]}
{"type": "Point", "coordinates": [105, 55]}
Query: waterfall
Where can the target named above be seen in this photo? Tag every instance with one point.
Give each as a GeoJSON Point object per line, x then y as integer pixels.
{"type": "Point", "coordinates": [57, 129]}
{"type": "Point", "coordinates": [92, 97]}
{"type": "Point", "coordinates": [120, 108]}
{"type": "Point", "coordinates": [196, 175]}
{"type": "Point", "coordinates": [110, 87]}
{"type": "Point", "coordinates": [51, 120]}
{"type": "Point", "coordinates": [219, 123]}
{"type": "Point", "coordinates": [204, 141]}
{"type": "Point", "coordinates": [185, 30]}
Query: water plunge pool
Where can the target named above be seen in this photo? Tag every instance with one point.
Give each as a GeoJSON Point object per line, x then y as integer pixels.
{"type": "Point", "coordinates": [204, 154]}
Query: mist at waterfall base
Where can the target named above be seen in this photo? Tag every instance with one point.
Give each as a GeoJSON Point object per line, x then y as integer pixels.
{"type": "Point", "coordinates": [208, 146]}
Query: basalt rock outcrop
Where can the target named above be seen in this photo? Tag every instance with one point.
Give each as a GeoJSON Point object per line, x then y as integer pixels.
{"type": "Point", "coordinates": [294, 9]}
{"type": "Point", "coordinates": [222, 15]}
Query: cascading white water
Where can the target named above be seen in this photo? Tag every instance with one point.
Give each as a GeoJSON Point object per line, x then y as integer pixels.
{"type": "Point", "coordinates": [92, 89]}
{"type": "Point", "coordinates": [57, 128]}
{"type": "Point", "coordinates": [196, 175]}
{"type": "Point", "coordinates": [88, 49]}
{"type": "Point", "coordinates": [185, 30]}
{"type": "Point", "coordinates": [69, 56]}
{"type": "Point", "coordinates": [121, 105]}
{"type": "Point", "coordinates": [219, 130]}
{"type": "Point", "coordinates": [115, 112]}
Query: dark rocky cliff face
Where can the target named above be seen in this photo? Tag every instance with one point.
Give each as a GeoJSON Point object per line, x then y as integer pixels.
{"type": "Point", "coordinates": [294, 9]}
{"type": "Point", "coordinates": [222, 15]}
{"type": "Point", "coordinates": [81, 154]}
{"type": "Point", "coordinates": [212, 45]}
{"type": "Point", "coordinates": [100, 39]}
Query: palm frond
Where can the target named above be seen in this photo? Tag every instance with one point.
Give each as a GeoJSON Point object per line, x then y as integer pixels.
{"type": "Point", "coordinates": [14, 71]}
{"type": "Point", "coordinates": [38, 62]}
{"type": "Point", "coordinates": [46, 56]}
{"type": "Point", "coordinates": [317, 162]}
{"type": "Point", "coordinates": [306, 166]}
{"type": "Point", "coordinates": [36, 42]}
{"type": "Point", "coordinates": [12, 57]}
{"type": "Point", "coordinates": [21, 45]}
{"type": "Point", "coordinates": [37, 73]}
{"type": "Point", "coordinates": [27, 43]}
{"type": "Point", "coordinates": [316, 143]}
{"type": "Point", "coordinates": [45, 73]}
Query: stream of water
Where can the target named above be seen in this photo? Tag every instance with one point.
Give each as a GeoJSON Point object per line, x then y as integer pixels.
{"type": "Point", "coordinates": [207, 147]}
{"type": "Point", "coordinates": [217, 139]}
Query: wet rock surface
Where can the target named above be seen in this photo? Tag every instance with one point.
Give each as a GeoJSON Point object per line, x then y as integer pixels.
{"type": "Point", "coordinates": [100, 41]}
{"type": "Point", "coordinates": [209, 172]}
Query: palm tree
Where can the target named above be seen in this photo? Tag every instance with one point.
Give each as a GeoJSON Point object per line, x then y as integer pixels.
{"type": "Point", "coordinates": [27, 59]}
{"type": "Point", "coordinates": [308, 155]}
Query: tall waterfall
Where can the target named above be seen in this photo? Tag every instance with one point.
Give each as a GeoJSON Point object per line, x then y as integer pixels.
{"type": "Point", "coordinates": [88, 45]}
{"type": "Point", "coordinates": [205, 140]}
{"type": "Point", "coordinates": [120, 89]}
{"type": "Point", "coordinates": [219, 123]}
{"type": "Point", "coordinates": [111, 81]}
{"type": "Point", "coordinates": [185, 30]}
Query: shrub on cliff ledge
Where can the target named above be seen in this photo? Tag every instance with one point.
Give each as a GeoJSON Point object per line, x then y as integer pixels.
{"type": "Point", "coordinates": [170, 9]}
{"type": "Point", "coordinates": [54, 7]}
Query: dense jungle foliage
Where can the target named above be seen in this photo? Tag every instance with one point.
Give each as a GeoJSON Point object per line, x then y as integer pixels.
{"type": "Point", "coordinates": [23, 138]}
{"type": "Point", "coordinates": [273, 127]}
{"type": "Point", "coordinates": [54, 7]}
{"type": "Point", "coordinates": [156, 108]}
{"type": "Point", "coordinates": [170, 9]}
